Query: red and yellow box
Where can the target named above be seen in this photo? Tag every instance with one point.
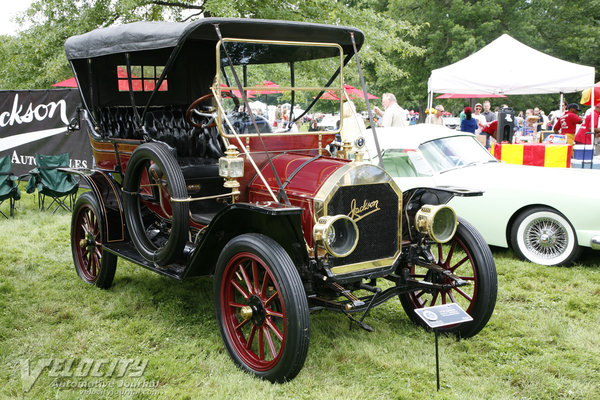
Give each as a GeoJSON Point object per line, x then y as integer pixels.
{"type": "Point", "coordinates": [538, 154]}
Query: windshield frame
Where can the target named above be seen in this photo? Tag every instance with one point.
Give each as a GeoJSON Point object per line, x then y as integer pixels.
{"type": "Point", "coordinates": [217, 88]}
{"type": "Point", "coordinates": [447, 153]}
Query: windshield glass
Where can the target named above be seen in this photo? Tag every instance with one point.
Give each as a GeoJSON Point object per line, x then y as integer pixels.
{"type": "Point", "coordinates": [280, 92]}
{"type": "Point", "coordinates": [454, 152]}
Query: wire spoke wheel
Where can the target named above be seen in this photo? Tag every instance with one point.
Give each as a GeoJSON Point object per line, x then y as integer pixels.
{"type": "Point", "coordinates": [467, 256]}
{"type": "Point", "coordinates": [93, 264]}
{"type": "Point", "coordinates": [545, 237]}
{"type": "Point", "coordinates": [261, 307]}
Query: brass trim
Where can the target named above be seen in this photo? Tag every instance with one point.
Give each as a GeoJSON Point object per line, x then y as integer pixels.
{"type": "Point", "coordinates": [217, 89]}
{"type": "Point", "coordinates": [373, 264]}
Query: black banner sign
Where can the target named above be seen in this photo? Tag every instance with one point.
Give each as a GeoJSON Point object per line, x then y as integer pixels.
{"type": "Point", "coordinates": [35, 121]}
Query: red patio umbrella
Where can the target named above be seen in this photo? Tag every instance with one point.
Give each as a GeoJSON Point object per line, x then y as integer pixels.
{"type": "Point", "coordinates": [269, 88]}
{"type": "Point", "coordinates": [236, 93]}
{"type": "Point", "coordinates": [468, 96]}
{"type": "Point", "coordinates": [71, 82]}
{"type": "Point", "coordinates": [328, 96]}
{"type": "Point", "coordinates": [354, 93]}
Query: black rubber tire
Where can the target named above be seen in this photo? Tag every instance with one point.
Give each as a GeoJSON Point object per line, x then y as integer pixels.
{"type": "Point", "coordinates": [478, 265]}
{"type": "Point", "coordinates": [544, 236]}
{"type": "Point", "coordinates": [159, 154]}
{"type": "Point", "coordinates": [289, 298]}
{"type": "Point", "coordinates": [98, 266]}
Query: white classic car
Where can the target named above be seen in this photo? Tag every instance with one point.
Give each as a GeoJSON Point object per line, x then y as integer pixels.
{"type": "Point", "coordinates": [544, 214]}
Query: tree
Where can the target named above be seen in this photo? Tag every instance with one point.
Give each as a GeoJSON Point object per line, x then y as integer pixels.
{"type": "Point", "coordinates": [28, 62]}
{"type": "Point", "coordinates": [454, 29]}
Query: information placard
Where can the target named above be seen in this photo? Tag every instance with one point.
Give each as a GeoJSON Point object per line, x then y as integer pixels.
{"type": "Point", "coordinates": [443, 315]}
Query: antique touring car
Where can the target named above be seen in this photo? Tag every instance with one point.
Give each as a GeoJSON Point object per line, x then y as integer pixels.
{"type": "Point", "coordinates": [188, 181]}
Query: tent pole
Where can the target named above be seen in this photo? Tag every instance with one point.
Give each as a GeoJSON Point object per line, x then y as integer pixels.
{"type": "Point", "coordinates": [429, 106]}
{"type": "Point", "coordinates": [562, 100]}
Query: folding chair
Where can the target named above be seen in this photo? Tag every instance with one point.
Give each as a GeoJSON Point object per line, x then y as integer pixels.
{"type": "Point", "coordinates": [51, 182]}
{"type": "Point", "coordinates": [9, 186]}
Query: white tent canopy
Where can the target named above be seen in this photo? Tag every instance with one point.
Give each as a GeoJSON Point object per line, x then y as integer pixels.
{"type": "Point", "coordinates": [507, 66]}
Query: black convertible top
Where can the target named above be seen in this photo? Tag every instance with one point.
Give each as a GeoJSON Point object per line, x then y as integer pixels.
{"type": "Point", "coordinates": [139, 36]}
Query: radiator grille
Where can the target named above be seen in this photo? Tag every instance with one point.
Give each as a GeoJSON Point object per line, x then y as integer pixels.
{"type": "Point", "coordinates": [374, 208]}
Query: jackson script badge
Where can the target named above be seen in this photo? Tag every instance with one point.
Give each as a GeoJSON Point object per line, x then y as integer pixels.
{"type": "Point", "coordinates": [367, 208]}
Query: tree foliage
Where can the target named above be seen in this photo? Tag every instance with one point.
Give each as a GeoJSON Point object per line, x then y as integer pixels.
{"type": "Point", "coordinates": [454, 29]}
{"type": "Point", "coordinates": [405, 39]}
{"type": "Point", "coordinates": [35, 59]}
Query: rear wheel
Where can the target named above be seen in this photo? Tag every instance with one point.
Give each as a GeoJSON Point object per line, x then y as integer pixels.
{"type": "Point", "coordinates": [543, 236]}
{"type": "Point", "coordinates": [468, 256]}
{"type": "Point", "coordinates": [261, 308]}
{"type": "Point", "coordinates": [93, 264]}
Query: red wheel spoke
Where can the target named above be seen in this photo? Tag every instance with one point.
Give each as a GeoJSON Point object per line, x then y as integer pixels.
{"type": "Point", "coordinates": [440, 253]}
{"type": "Point", "coordinates": [274, 313]}
{"type": "Point", "coordinates": [270, 299]}
{"type": "Point", "coordinates": [98, 251]}
{"type": "Point", "coordinates": [450, 253]}
{"type": "Point", "coordinates": [261, 344]}
{"type": "Point", "coordinates": [463, 294]}
{"type": "Point", "coordinates": [251, 337]}
{"type": "Point", "coordinates": [241, 324]}
{"type": "Point", "coordinates": [451, 296]}
{"type": "Point", "coordinates": [270, 341]}
{"type": "Point", "coordinates": [265, 285]}
{"type": "Point", "coordinates": [274, 329]}
{"type": "Point", "coordinates": [95, 265]}
{"type": "Point", "coordinates": [246, 278]}
{"type": "Point", "coordinates": [240, 289]}
{"type": "Point", "coordinates": [458, 264]}
{"type": "Point", "coordinates": [255, 286]}
{"type": "Point", "coordinates": [434, 298]}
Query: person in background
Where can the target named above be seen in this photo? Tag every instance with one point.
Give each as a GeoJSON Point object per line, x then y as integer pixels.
{"type": "Point", "coordinates": [462, 114]}
{"type": "Point", "coordinates": [490, 130]}
{"type": "Point", "coordinates": [540, 121]}
{"type": "Point", "coordinates": [588, 125]}
{"type": "Point", "coordinates": [394, 115]}
{"type": "Point", "coordinates": [469, 124]}
{"type": "Point", "coordinates": [487, 113]}
{"type": "Point", "coordinates": [556, 114]}
{"type": "Point", "coordinates": [567, 123]}
{"type": "Point", "coordinates": [479, 118]}
{"type": "Point", "coordinates": [437, 118]}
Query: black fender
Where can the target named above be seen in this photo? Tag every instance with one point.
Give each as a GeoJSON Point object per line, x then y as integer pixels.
{"type": "Point", "coordinates": [413, 199]}
{"type": "Point", "coordinates": [280, 222]}
{"type": "Point", "coordinates": [108, 194]}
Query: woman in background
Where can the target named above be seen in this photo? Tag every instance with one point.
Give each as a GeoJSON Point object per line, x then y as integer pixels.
{"type": "Point", "coordinates": [469, 124]}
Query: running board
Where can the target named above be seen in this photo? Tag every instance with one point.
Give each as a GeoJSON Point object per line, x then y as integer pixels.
{"type": "Point", "coordinates": [127, 251]}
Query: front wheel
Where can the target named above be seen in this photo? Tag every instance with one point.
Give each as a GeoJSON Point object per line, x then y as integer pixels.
{"type": "Point", "coordinates": [261, 308]}
{"type": "Point", "coordinates": [543, 236]}
{"type": "Point", "coordinates": [468, 256]}
{"type": "Point", "coordinates": [93, 264]}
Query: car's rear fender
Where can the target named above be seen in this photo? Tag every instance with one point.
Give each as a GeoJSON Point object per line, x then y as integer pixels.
{"type": "Point", "coordinates": [108, 194]}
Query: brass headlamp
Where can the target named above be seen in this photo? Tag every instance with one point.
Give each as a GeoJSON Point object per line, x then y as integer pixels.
{"type": "Point", "coordinates": [337, 234]}
{"type": "Point", "coordinates": [438, 222]}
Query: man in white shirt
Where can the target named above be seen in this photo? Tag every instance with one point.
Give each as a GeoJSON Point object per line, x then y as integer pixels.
{"type": "Point", "coordinates": [394, 115]}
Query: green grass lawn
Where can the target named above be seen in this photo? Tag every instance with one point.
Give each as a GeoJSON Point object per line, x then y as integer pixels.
{"type": "Point", "coordinates": [542, 341]}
